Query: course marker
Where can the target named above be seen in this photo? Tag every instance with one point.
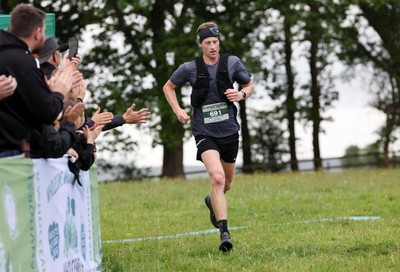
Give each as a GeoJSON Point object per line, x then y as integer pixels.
{"type": "Point", "coordinates": [170, 236]}
{"type": "Point", "coordinates": [349, 218]}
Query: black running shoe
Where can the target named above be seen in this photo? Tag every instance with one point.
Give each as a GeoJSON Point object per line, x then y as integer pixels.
{"type": "Point", "coordinates": [213, 220]}
{"type": "Point", "coordinates": [226, 242]}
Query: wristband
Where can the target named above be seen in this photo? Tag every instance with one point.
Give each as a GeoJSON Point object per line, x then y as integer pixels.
{"type": "Point", "coordinates": [244, 94]}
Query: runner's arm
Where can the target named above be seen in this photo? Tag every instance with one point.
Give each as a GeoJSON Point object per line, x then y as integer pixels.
{"type": "Point", "coordinates": [170, 95]}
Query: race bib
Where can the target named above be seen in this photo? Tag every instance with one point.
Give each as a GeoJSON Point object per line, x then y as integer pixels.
{"type": "Point", "coordinates": [214, 113]}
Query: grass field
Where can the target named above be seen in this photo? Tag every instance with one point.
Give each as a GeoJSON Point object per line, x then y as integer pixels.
{"type": "Point", "coordinates": [291, 222]}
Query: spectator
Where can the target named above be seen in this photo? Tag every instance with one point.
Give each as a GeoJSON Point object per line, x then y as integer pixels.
{"type": "Point", "coordinates": [34, 103]}
{"type": "Point", "coordinates": [50, 56]}
{"type": "Point", "coordinates": [60, 137]}
{"type": "Point", "coordinates": [50, 59]}
{"type": "Point", "coordinates": [83, 153]}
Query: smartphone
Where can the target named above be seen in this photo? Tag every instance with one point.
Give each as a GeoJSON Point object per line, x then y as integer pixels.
{"type": "Point", "coordinates": [73, 43]}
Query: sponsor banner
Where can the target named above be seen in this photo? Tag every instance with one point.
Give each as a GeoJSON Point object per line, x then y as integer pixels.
{"type": "Point", "coordinates": [51, 223]}
{"type": "Point", "coordinates": [96, 233]}
{"type": "Point", "coordinates": [17, 216]}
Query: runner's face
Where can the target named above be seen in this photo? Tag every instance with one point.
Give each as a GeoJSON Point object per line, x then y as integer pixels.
{"type": "Point", "coordinates": [210, 47]}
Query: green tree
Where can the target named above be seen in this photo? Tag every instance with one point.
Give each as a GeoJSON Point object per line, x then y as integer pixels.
{"type": "Point", "coordinates": [310, 27]}
{"type": "Point", "coordinates": [358, 157]}
{"type": "Point", "coordinates": [156, 37]}
{"type": "Point", "coordinates": [269, 144]}
{"type": "Point", "coordinates": [283, 36]}
{"type": "Point", "coordinates": [381, 49]}
{"type": "Point", "coordinates": [321, 19]}
{"type": "Point", "coordinates": [351, 156]}
{"type": "Point", "coordinates": [6, 6]}
{"type": "Point", "coordinates": [290, 103]}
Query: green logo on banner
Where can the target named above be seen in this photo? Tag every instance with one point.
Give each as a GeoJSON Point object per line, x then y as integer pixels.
{"type": "Point", "coordinates": [54, 240]}
{"type": "Point", "coordinates": [83, 240]}
{"type": "Point", "coordinates": [70, 231]}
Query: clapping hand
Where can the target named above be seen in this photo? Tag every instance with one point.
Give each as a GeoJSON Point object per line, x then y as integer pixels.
{"type": "Point", "coordinates": [8, 84]}
{"type": "Point", "coordinates": [134, 117]}
{"type": "Point", "coordinates": [102, 118]}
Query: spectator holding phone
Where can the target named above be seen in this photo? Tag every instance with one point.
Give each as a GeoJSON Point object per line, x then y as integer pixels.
{"type": "Point", "coordinates": [50, 56]}
{"type": "Point", "coordinates": [34, 103]}
{"type": "Point", "coordinates": [50, 63]}
{"type": "Point", "coordinates": [73, 44]}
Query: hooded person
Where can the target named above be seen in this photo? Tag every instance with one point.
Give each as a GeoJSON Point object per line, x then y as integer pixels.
{"type": "Point", "coordinates": [34, 103]}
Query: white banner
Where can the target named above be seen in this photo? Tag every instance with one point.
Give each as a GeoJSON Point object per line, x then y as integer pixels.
{"type": "Point", "coordinates": [51, 223]}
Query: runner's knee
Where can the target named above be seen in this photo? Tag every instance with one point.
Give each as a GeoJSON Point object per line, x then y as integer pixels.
{"type": "Point", "coordinates": [218, 180]}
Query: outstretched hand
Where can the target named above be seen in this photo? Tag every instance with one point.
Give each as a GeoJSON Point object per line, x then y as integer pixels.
{"type": "Point", "coordinates": [136, 117]}
{"type": "Point", "coordinates": [102, 118]}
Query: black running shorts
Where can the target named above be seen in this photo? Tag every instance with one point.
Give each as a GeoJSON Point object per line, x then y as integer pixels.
{"type": "Point", "coordinates": [227, 147]}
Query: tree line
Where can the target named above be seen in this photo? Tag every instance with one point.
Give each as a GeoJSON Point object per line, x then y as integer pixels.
{"type": "Point", "coordinates": [270, 36]}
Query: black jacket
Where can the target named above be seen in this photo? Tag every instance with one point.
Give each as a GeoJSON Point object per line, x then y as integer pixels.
{"type": "Point", "coordinates": [47, 68]}
{"type": "Point", "coordinates": [32, 105]}
{"type": "Point", "coordinates": [57, 142]}
{"type": "Point", "coordinates": [85, 151]}
{"type": "Point", "coordinates": [86, 157]}
{"type": "Point", "coordinates": [117, 121]}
